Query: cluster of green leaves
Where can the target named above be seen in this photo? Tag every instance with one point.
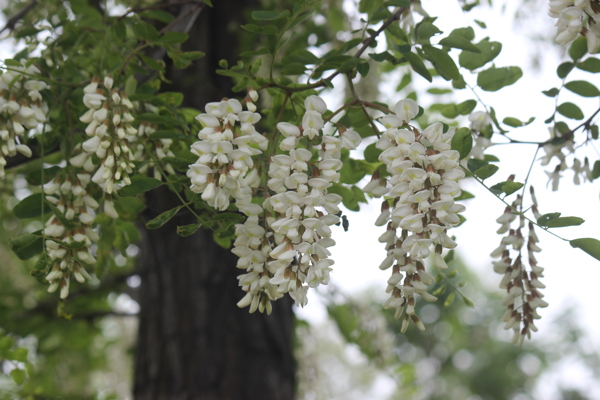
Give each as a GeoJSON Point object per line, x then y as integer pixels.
{"type": "Point", "coordinates": [17, 358]}
{"type": "Point", "coordinates": [583, 88]}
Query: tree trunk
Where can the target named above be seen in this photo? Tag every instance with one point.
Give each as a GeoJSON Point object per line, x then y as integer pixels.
{"type": "Point", "coordinates": [194, 342]}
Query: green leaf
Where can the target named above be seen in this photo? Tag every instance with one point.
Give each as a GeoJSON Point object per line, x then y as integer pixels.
{"type": "Point", "coordinates": [304, 57]}
{"type": "Point", "coordinates": [459, 42]}
{"type": "Point", "coordinates": [12, 63]}
{"type": "Point", "coordinates": [511, 187]}
{"type": "Point", "coordinates": [384, 56]}
{"type": "Point", "coordinates": [129, 207]}
{"type": "Point", "coordinates": [19, 354]}
{"type": "Point", "coordinates": [514, 122]}
{"type": "Point", "coordinates": [192, 55]}
{"type": "Point", "coordinates": [354, 170]}
{"type": "Point", "coordinates": [485, 172]}
{"type": "Point", "coordinates": [544, 219]}
{"type": "Point", "coordinates": [494, 79]}
{"type": "Point", "coordinates": [267, 30]}
{"type": "Point", "coordinates": [590, 64]}
{"type": "Point", "coordinates": [28, 31]}
{"type": "Point", "coordinates": [348, 198]}
{"type": "Point", "coordinates": [174, 37]}
{"type": "Point", "coordinates": [179, 163]}
{"type": "Point", "coordinates": [163, 218]}
{"type": "Point", "coordinates": [171, 98]}
{"type": "Point", "coordinates": [564, 69]}
{"type": "Point", "coordinates": [578, 48]}
{"type": "Point", "coordinates": [570, 110]}
{"type": "Point", "coordinates": [18, 375]}
{"type": "Point", "coordinates": [166, 134]}
{"type": "Point", "coordinates": [474, 164]}
{"type": "Point", "coordinates": [564, 221]}
{"type": "Point", "coordinates": [27, 246]}
{"type": "Point", "coordinates": [507, 187]}
{"type": "Point", "coordinates": [264, 15]}
{"type": "Point", "coordinates": [452, 111]}
{"type": "Point", "coordinates": [158, 15]}
{"type": "Point", "coordinates": [417, 65]}
{"type": "Point", "coordinates": [442, 62]}
{"type": "Point", "coordinates": [187, 230]}
{"type": "Point", "coordinates": [462, 141]}
{"type": "Point", "coordinates": [372, 153]}
{"type": "Point", "coordinates": [293, 68]}
{"type": "Point", "coordinates": [359, 195]}
{"type": "Point", "coordinates": [438, 91]}
{"type": "Point", "coordinates": [145, 31]}
{"type": "Point", "coordinates": [467, 33]}
{"type": "Point", "coordinates": [589, 245]}
{"type": "Point", "coordinates": [30, 207]}
{"type": "Point", "coordinates": [488, 51]}
{"type": "Point", "coordinates": [139, 185]}
{"type": "Point", "coordinates": [466, 107]}
{"type": "Point", "coordinates": [363, 68]}
{"type": "Point", "coordinates": [425, 30]}
{"type": "Point", "coordinates": [596, 170]}
{"type": "Point", "coordinates": [582, 88]}
{"type": "Point", "coordinates": [517, 123]}
{"type": "Point", "coordinates": [252, 53]}
{"type": "Point", "coordinates": [159, 119]}
{"type": "Point", "coordinates": [551, 92]}
{"type": "Point", "coordinates": [348, 65]}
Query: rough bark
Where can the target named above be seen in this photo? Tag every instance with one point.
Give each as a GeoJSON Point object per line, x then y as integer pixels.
{"type": "Point", "coordinates": [194, 342]}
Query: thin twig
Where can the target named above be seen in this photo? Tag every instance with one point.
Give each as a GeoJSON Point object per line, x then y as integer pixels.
{"type": "Point", "coordinates": [158, 6]}
{"type": "Point", "coordinates": [365, 44]}
{"type": "Point", "coordinates": [10, 24]}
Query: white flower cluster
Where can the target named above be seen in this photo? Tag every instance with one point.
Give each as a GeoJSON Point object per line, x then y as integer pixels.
{"type": "Point", "coordinates": [160, 148]}
{"type": "Point", "coordinates": [422, 186]}
{"type": "Point", "coordinates": [572, 16]}
{"type": "Point", "coordinates": [225, 167]}
{"type": "Point", "coordinates": [283, 244]}
{"type": "Point", "coordinates": [522, 284]}
{"type": "Point", "coordinates": [581, 171]}
{"type": "Point", "coordinates": [109, 123]}
{"type": "Point", "coordinates": [70, 251]}
{"type": "Point", "coordinates": [21, 109]}
{"type": "Point", "coordinates": [293, 251]}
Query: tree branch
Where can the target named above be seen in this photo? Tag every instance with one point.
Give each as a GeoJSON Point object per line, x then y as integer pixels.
{"type": "Point", "coordinates": [10, 24]}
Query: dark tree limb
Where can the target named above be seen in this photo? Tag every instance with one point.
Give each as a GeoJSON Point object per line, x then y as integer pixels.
{"type": "Point", "coordinates": [10, 24]}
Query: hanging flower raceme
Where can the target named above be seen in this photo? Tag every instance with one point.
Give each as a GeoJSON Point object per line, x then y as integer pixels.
{"type": "Point", "coordinates": [283, 244]}
{"type": "Point", "coordinates": [554, 150]}
{"type": "Point", "coordinates": [577, 17]}
{"type": "Point", "coordinates": [109, 123]}
{"type": "Point", "coordinates": [21, 109]}
{"type": "Point", "coordinates": [420, 208]}
{"type": "Point", "coordinates": [151, 151]}
{"type": "Point", "coordinates": [518, 265]}
{"type": "Point", "coordinates": [70, 234]}
{"type": "Point", "coordinates": [295, 233]}
{"type": "Point", "coordinates": [225, 167]}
